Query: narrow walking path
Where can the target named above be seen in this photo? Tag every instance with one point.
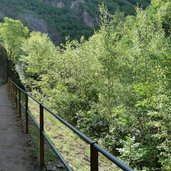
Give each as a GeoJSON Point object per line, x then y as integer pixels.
{"type": "Point", "coordinates": [14, 155]}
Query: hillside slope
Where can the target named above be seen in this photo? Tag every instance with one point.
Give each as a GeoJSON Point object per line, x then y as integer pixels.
{"type": "Point", "coordinates": [62, 18]}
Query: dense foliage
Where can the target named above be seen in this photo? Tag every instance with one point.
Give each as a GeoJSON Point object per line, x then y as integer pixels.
{"type": "Point", "coordinates": [115, 87]}
{"type": "Point", "coordinates": [13, 38]}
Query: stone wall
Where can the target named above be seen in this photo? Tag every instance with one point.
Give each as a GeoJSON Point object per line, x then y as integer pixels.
{"type": "Point", "coordinates": [3, 64]}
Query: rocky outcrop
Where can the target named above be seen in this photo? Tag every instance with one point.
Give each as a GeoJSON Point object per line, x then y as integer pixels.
{"type": "Point", "coordinates": [89, 20]}
{"type": "Point", "coordinates": [37, 24]}
{"type": "Point", "coordinates": [76, 8]}
{"type": "Point", "coordinates": [56, 3]}
{"type": "Point", "coordinates": [67, 4]}
{"type": "Point", "coordinates": [1, 16]}
{"type": "Point", "coordinates": [3, 64]}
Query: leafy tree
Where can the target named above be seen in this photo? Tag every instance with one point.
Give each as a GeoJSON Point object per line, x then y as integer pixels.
{"type": "Point", "coordinates": [37, 59]}
{"type": "Point", "coordinates": [12, 35]}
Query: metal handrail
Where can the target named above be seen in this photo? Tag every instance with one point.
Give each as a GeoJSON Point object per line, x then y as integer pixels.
{"type": "Point", "coordinates": [94, 147]}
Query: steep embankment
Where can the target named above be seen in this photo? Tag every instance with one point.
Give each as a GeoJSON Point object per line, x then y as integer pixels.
{"type": "Point", "coordinates": [60, 18]}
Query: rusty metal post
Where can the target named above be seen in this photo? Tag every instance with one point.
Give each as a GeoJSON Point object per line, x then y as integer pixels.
{"type": "Point", "coordinates": [16, 94]}
{"type": "Point", "coordinates": [13, 90]}
{"type": "Point", "coordinates": [8, 84]}
{"type": "Point", "coordinates": [19, 103]}
{"type": "Point", "coordinates": [93, 158]}
{"type": "Point", "coordinates": [41, 137]}
{"type": "Point", "coordinates": [26, 114]}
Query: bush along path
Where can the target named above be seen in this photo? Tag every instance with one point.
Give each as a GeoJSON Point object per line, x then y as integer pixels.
{"type": "Point", "coordinates": [14, 153]}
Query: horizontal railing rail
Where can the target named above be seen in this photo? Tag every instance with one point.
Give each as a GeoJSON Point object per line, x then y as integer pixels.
{"type": "Point", "coordinates": [94, 147]}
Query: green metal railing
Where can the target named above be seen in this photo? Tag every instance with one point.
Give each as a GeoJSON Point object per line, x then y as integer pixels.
{"type": "Point", "coordinates": [95, 149]}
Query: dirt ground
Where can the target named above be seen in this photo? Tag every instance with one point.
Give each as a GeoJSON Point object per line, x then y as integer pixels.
{"type": "Point", "coordinates": [14, 153]}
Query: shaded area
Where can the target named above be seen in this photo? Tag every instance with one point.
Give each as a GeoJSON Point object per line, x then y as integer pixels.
{"type": "Point", "coordinates": [3, 65]}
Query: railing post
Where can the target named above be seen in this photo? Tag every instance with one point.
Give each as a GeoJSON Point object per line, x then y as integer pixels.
{"type": "Point", "coordinates": [12, 90]}
{"type": "Point", "coordinates": [16, 95]}
{"type": "Point", "coordinates": [8, 84]}
{"type": "Point", "coordinates": [93, 158]}
{"type": "Point", "coordinates": [41, 137]}
{"type": "Point", "coordinates": [26, 113]}
{"type": "Point", "coordinates": [19, 103]}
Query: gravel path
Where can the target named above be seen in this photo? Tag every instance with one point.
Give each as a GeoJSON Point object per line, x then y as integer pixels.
{"type": "Point", "coordinates": [14, 154]}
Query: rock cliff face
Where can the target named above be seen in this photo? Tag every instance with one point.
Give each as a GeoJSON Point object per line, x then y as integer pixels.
{"type": "Point", "coordinates": [77, 8]}
{"type": "Point", "coordinates": [87, 10]}
{"type": "Point", "coordinates": [89, 20]}
{"type": "Point", "coordinates": [1, 16]}
{"type": "Point", "coordinates": [38, 24]}
{"type": "Point", "coordinates": [67, 4]}
{"type": "Point", "coordinates": [3, 64]}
